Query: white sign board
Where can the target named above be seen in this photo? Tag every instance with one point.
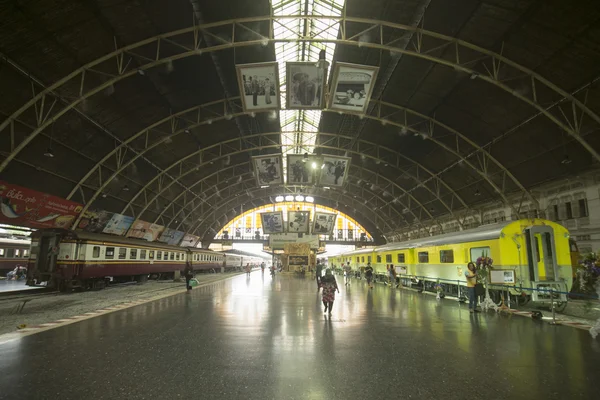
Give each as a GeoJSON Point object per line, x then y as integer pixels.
{"type": "Point", "coordinates": [401, 271]}
{"type": "Point", "coordinates": [502, 277]}
{"type": "Point", "coordinates": [277, 241]}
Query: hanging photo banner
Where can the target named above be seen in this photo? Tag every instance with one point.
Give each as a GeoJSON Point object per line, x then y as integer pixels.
{"type": "Point", "coordinates": [189, 240]}
{"type": "Point", "coordinates": [145, 230]}
{"type": "Point", "coordinates": [300, 170]}
{"type": "Point", "coordinates": [268, 170]}
{"type": "Point", "coordinates": [171, 236]}
{"type": "Point", "coordinates": [259, 86]}
{"type": "Point", "coordinates": [118, 224]}
{"type": "Point", "coordinates": [95, 220]}
{"type": "Point", "coordinates": [26, 207]}
{"type": "Point", "coordinates": [298, 221]}
{"type": "Point", "coordinates": [323, 223]}
{"type": "Point", "coordinates": [305, 86]}
{"type": "Point", "coordinates": [334, 170]}
{"type": "Point", "coordinates": [272, 222]}
{"type": "Point", "coordinates": [352, 87]}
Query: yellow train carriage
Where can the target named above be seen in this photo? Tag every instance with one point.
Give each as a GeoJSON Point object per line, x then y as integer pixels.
{"type": "Point", "coordinates": [535, 253]}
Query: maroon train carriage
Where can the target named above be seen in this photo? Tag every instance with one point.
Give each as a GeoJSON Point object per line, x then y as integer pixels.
{"type": "Point", "coordinates": [67, 260]}
{"type": "Point", "coordinates": [13, 252]}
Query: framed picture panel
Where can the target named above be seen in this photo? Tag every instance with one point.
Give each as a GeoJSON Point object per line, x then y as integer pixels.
{"type": "Point", "coordinates": [259, 86]}
{"type": "Point", "coordinates": [300, 171]}
{"type": "Point", "coordinates": [298, 221]}
{"type": "Point", "coordinates": [305, 84]}
{"type": "Point", "coordinates": [268, 169]}
{"type": "Point", "coordinates": [352, 87]}
{"type": "Point", "coordinates": [272, 222]}
{"type": "Point", "coordinates": [323, 223]}
{"type": "Point", "coordinates": [334, 170]}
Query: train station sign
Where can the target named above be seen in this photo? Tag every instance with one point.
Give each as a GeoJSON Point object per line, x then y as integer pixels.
{"type": "Point", "coordinates": [26, 207]}
{"type": "Point", "coordinates": [278, 241]}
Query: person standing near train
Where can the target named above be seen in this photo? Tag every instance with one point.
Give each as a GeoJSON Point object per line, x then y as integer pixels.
{"type": "Point", "coordinates": [369, 275]}
{"type": "Point", "coordinates": [471, 276]}
{"type": "Point", "coordinates": [188, 272]}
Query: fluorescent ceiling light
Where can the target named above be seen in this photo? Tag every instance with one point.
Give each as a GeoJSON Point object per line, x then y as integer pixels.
{"type": "Point", "coordinates": [310, 199]}
{"type": "Point", "coordinates": [289, 198]}
{"type": "Point", "coordinates": [299, 198]}
{"type": "Point", "coordinates": [279, 198]}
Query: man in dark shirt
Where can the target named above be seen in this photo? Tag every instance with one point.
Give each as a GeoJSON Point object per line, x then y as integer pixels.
{"type": "Point", "coordinates": [369, 275]}
{"type": "Point", "coordinates": [319, 272]}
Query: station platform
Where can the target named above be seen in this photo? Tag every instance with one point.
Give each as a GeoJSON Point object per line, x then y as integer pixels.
{"type": "Point", "coordinates": [14, 286]}
{"type": "Point", "coordinates": [262, 338]}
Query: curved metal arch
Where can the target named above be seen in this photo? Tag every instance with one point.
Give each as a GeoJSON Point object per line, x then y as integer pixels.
{"type": "Point", "coordinates": [230, 221]}
{"type": "Point", "coordinates": [373, 194]}
{"type": "Point", "coordinates": [235, 194]}
{"type": "Point", "coordinates": [277, 145]}
{"type": "Point", "coordinates": [421, 52]}
{"type": "Point", "coordinates": [274, 191]}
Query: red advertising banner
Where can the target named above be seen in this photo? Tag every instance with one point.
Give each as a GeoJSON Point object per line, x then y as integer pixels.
{"type": "Point", "coordinates": [26, 207]}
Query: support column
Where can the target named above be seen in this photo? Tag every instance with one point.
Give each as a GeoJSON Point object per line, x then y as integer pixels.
{"type": "Point", "coordinates": [177, 276]}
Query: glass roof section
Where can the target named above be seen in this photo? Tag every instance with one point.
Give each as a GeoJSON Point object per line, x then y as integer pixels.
{"type": "Point", "coordinates": [299, 127]}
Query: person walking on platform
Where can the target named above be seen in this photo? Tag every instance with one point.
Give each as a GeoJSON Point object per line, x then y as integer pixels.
{"type": "Point", "coordinates": [188, 272]}
{"type": "Point", "coordinates": [330, 286]}
{"type": "Point", "coordinates": [347, 272]}
{"type": "Point", "coordinates": [248, 268]}
{"type": "Point", "coordinates": [392, 276]}
{"type": "Point", "coordinates": [262, 267]}
{"type": "Point", "coordinates": [369, 275]}
{"type": "Point", "coordinates": [319, 272]}
{"type": "Point", "coordinates": [471, 282]}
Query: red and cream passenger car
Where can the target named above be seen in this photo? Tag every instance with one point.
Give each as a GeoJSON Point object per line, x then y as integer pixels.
{"type": "Point", "coordinates": [66, 259]}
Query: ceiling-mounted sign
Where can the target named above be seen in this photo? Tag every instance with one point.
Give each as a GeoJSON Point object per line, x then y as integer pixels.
{"type": "Point", "coordinates": [301, 169]}
{"type": "Point", "coordinates": [323, 223]}
{"type": "Point", "coordinates": [305, 85]}
{"type": "Point", "coordinates": [268, 169]}
{"type": "Point", "coordinates": [189, 240]}
{"type": "Point", "coordinates": [26, 207]}
{"type": "Point", "coordinates": [95, 220]}
{"type": "Point", "coordinates": [298, 221]}
{"type": "Point", "coordinates": [278, 241]}
{"type": "Point", "coordinates": [171, 236]}
{"type": "Point", "coordinates": [334, 170]}
{"type": "Point", "coordinates": [259, 86]}
{"type": "Point", "coordinates": [118, 224]}
{"type": "Point", "coordinates": [272, 222]}
{"type": "Point", "coordinates": [145, 230]}
{"type": "Point", "coordinates": [352, 87]}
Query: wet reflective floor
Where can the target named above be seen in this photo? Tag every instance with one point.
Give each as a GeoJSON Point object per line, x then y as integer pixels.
{"type": "Point", "coordinates": [263, 338]}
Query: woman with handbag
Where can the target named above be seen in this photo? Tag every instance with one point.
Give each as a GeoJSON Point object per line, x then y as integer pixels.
{"type": "Point", "coordinates": [471, 276]}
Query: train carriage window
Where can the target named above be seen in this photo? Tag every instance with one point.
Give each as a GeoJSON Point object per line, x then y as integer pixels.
{"type": "Point", "coordinates": [446, 256]}
{"type": "Point", "coordinates": [423, 257]}
{"type": "Point", "coordinates": [177, 256]}
{"type": "Point", "coordinates": [110, 253]}
{"type": "Point", "coordinates": [159, 255]}
{"type": "Point", "coordinates": [96, 252]}
{"type": "Point", "coordinates": [369, 259]}
{"type": "Point", "coordinates": [133, 254]}
{"type": "Point", "coordinates": [388, 258]}
{"type": "Point", "coordinates": [122, 253]}
{"type": "Point", "coordinates": [378, 259]}
{"type": "Point", "coordinates": [183, 256]}
{"type": "Point", "coordinates": [151, 254]}
{"type": "Point", "coordinates": [2, 252]}
{"type": "Point", "coordinates": [25, 253]}
{"type": "Point", "coordinates": [171, 256]}
{"type": "Point", "coordinates": [477, 252]}
{"type": "Point", "coordinates": [363, 259]}
{"type": "Point", "coordinates": [401, 258]}
{"type": "Point", "coordinates": [142, 254]}
{"type": "Point", "coordinates": [10, 253]}
{"type": "Point", "coordinates": [17, 252]}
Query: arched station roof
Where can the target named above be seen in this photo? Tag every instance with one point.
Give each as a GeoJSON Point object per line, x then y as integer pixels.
{"type": "Point", "coordinates": [475, 101]}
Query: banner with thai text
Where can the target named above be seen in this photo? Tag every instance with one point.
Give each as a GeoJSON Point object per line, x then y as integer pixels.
{"type": "Point", "coordinates": [25, 207]}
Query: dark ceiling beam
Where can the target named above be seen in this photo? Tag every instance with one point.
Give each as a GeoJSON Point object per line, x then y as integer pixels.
{"type": "Point", "coordinates": [571, 125]}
